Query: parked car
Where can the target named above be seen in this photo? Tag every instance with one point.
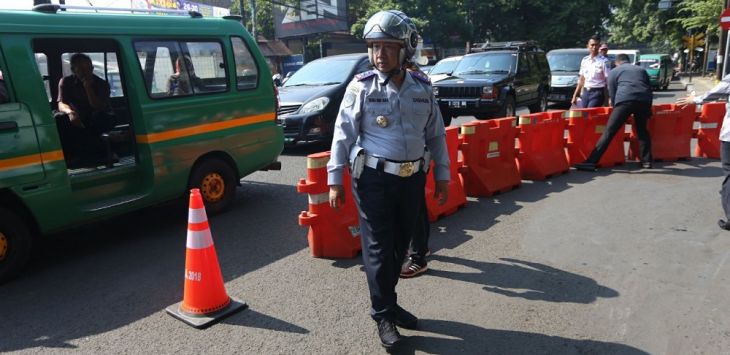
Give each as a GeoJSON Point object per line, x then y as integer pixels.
{"type": "Point", "coordinates": [310, 99]}
{"type": "Point", "coordinates": [565, 72]}
{"type": "Point", "coordinates": [660, 69]}
{"type": "Point", "coordinates": [634, 55]}
{"type": "Point", "coordinates": [443, 68]}
{"type": "Point", "coordinates": [494, 81]}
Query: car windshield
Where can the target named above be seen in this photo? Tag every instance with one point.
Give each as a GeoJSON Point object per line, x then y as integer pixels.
{"type": "Point", "coordinates": [487, 63]}
{"type": "Point", "coordinates": [568, 62]}
{"type": "Point", "coordinates": [322, 72]}
{"type": "Point", "coordinates": [649, 63]}
{"type": "Point", "coordinates": [445, 66]}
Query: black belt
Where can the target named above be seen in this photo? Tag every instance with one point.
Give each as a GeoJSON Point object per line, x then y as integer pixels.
{"type": "Point", "coordinates": [594, 89]}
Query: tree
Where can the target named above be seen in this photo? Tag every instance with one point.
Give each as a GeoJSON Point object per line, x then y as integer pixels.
{"type": "Point", "coordinates": [554, 24]}
{"type": "Point", "coordinates": [264, 16]}
{"type": "Point", "coordinates": [700, 15]}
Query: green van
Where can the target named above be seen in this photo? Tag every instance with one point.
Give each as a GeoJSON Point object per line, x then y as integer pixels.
{"type": "Point", "coordinates": [161, 144]}
{"type": "Point", "coordinates": [660, 69]}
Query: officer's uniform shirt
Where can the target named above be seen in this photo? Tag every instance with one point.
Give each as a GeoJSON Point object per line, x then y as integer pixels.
{"type": "Point", "coordinates": [412, 115]}
{"type": "Point", "coordinates": [721, 90]}
{"type": "Point", "coordinates": [595, 71]}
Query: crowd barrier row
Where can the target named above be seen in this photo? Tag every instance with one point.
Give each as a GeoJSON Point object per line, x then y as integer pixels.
{"type": "Point", "coordinates": [494, 156]}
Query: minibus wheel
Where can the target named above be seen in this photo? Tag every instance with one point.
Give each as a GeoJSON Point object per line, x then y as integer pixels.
{"type": "Point", "coordinates": [15, 244]}
{"type": "Point", "coordinates": [216, 180]}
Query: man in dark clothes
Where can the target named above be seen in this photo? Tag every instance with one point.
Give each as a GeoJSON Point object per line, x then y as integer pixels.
{"type": "Point", "coordinates": [83, 98]}
{"type": "Point", "coordinates": [630, 92]}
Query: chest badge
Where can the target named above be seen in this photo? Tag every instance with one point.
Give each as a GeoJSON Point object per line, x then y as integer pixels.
{"type": "Point", "coordinates": [382, 121]}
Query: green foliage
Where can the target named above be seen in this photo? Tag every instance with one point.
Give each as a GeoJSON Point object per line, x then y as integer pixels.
{"type": "Point", "coordinates": [641, 22]}
{"type": "Point", "coordinates": [701, 15]}
{"type": "Point", "coordinates": [264, 16]}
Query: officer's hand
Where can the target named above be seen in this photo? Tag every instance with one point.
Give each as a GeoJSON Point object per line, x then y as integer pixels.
{"type": "Point", "coordinates": [75, 120]}
{"type": "Point", "coordinates": [441, 192]}
{"type": "Point", "coordinates": [684, 101]}
{"type": "Point", "coordinates": [573, 100]}
{"type": "Point", "coordinates": [337, 196]}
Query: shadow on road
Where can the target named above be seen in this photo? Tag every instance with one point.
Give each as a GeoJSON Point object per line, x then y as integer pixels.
{"type": "Point", "coordinates": [111, 274]}
{"type": "Point", "coordinates": [252, 319]}
{"type": "Point", "coordinates": [536, 282]}
{"type": "Point", "coordinates": [454, 337]}
{"type": "Point", "coordinates": [304, 149]}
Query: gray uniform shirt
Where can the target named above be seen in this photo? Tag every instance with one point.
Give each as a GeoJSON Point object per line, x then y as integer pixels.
{"type": "Point", "coordinates": [628, 82]}
{"type": "Point", "coordinates": [413, 122]}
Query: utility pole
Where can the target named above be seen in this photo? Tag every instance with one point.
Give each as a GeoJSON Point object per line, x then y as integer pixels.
{"type": "Point", "coordinates": [253, 19]}
{"type": "Point", "coordinates": [240, 9]}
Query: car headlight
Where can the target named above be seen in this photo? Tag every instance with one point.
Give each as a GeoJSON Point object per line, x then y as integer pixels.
{"type": "Point", "coordinates": [435, 91]}
{"type": "Point", "coordinates": [488, 90]}
{"type": "Point", "coordinates": [315, 105]}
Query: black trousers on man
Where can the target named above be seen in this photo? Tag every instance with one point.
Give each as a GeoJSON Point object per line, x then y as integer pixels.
{"type": "Point", "coordinates": [389, 210]}
{"type": "Point", "coordinates": [619, 115]}
{"type": "Point", "coordinates": [421, 234]}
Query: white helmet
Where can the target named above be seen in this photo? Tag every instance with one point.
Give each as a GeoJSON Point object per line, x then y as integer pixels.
{"type": "Point", "coordinates": [391, 26]}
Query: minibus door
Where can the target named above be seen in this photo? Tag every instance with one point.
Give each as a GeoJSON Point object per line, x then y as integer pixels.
{"type": "Point", "coordinates": [20, 157]}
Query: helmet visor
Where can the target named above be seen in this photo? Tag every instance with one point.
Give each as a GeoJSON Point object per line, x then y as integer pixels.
{"type": "Point", "coordinates": [384, 25]}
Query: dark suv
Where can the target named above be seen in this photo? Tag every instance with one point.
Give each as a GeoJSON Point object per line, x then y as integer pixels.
{"type": "Point", "coordinates": [495, 79]}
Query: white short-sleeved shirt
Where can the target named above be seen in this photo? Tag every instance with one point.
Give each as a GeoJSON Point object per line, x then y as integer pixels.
{"type": "Point", "coordinates": [595, 71]}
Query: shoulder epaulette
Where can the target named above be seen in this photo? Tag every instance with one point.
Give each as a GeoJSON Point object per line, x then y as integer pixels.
{"type": "Point", "coordinates": [364, 75]}
{"type": "Point", "coordinates": [420, 76]}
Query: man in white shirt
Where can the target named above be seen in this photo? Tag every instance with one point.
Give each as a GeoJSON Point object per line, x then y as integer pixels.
{"type": "Point", "coordinates": [594, 70]}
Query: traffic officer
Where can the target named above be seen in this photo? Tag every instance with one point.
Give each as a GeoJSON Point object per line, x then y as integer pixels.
{"type": "Point", "coordinates": [594, 70]}
{"type": "Point", "coordinates": [719, 92]}
{"type": "Point", "coordinates": [386, 120]}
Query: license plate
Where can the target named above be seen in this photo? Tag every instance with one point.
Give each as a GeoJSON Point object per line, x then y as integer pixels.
{"type": "Point", "coordinates": [457, 103]}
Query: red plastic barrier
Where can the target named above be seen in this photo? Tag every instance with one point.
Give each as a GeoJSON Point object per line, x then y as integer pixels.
{"type": "Point", "coordinates": [585, 127]}
{"type": "Point", "coordinates": [670, 129]}
{"type": "Point", "coordinates": [488, 150]}
{"type": "Point", "coordinates": [708, 136]}
{"type": "Point", "coordinates": [332, 233]}
{"type": "Point", "coordinates": [541, 145]}
{"type": "Point", "coordinates": [456, 185]}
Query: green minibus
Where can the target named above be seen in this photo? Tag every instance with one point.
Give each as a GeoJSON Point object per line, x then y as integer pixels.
{"type": "Point", "coordinates": [161, 143]}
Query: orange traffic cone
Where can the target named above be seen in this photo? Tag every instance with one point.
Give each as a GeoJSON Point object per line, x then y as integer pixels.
{"type": "Point", "coordinates": [204, 299]}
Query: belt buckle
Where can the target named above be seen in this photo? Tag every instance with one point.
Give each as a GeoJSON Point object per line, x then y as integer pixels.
{"type": "Point", "coordinates": [406, 169]}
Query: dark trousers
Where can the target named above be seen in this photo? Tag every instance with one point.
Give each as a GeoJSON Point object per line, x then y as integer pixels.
{"type": "Point", "coordinates": [84, 142]}
{"type": "Point", "coordinates": [389, 208]}
{"type": "Point", "coordinates": [725, 190]}
{"type": "Point", "coordinates": [592, 98]}
{"type": "Point", "coordinates": [421, 235]}
{"type": "Point", "coordinates": [619, 115]}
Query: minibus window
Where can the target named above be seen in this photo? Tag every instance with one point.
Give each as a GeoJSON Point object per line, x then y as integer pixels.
{"type": "Point", "coordinates": [42, 62]}
{"type": "Point", "coordinates": [173, 68]}
{"type": "Point", "coordinates": [246, 71]}
{"type": "Point", "coordinates": [207, 67]}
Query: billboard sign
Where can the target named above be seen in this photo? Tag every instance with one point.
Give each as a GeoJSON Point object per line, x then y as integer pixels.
{"type": "Point", "coordinates": [203, 9]}
{"type": "Point", "coordinates": [296, 18]}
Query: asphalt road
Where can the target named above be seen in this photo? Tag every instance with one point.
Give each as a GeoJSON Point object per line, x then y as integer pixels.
{"type": "Point", "coordinates": [621, 261]}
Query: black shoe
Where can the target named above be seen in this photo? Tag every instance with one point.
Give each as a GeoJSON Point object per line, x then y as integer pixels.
{"type": "Point", "coordinates": [724, 225]}
{"type": "Point", "coordinates": [586, 166]}
{"type": "Point", "coordinates": [646, 165]}
{"type": "Point", "coordinates": [405, 319]}
{"type": "Point", "coordinates": [413, 267]}
{"type": "Point", "coordinates": [388, 333]}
